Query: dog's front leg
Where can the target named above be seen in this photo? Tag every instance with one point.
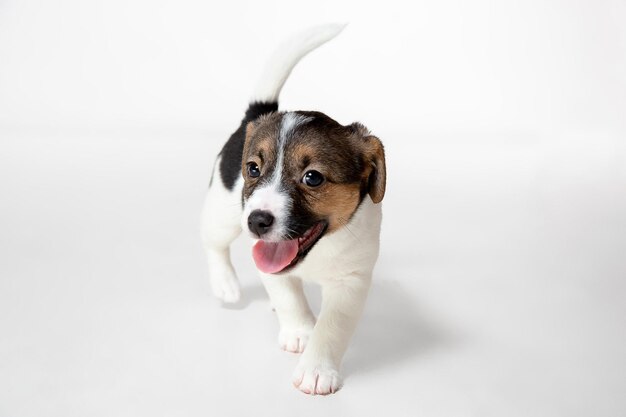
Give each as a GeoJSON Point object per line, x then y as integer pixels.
{"type": "Point", "coordinates": [342, 304]}
{"type": "Point", "coordinates": [294, 315]}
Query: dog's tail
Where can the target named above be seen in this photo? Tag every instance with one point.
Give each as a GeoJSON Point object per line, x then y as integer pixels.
{"type": "Point", "coordinates": [287, 56]}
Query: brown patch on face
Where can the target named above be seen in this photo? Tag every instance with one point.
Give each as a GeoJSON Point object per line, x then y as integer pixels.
{"type": "Point", "coordinates": [336, 203]}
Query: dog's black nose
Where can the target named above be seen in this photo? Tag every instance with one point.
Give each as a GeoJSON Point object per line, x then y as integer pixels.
{"type": "Point", "coordinates": [260, 222]}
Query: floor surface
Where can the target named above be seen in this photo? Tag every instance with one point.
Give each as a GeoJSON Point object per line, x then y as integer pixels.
{"type": "Point", "coordinates": [499, 290]}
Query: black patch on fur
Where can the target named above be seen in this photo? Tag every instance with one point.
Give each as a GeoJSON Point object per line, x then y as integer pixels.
{"type": "Point", "coordinates": [230, 164]}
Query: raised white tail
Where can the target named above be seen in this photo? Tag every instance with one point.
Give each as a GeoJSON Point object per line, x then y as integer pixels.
{"type": "Point", "coordinates": [287, 56]}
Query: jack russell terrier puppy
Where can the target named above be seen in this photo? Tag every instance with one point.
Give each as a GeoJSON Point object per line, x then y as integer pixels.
{"type": "Point", "coordinates": [308, 191]}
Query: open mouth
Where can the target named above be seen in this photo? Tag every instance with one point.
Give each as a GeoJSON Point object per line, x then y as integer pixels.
{"type": "Point", "coordinates": [275, 257]}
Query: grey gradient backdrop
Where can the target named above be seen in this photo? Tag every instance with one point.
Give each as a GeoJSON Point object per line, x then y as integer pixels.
{"type": "Point", "coordinates": [500, 286]}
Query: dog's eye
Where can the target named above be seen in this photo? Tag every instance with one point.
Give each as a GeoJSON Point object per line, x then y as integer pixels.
{"type": "Point", "coordinates": [313, 178]}
{"type": "Point", "coordinates": [253, 170]}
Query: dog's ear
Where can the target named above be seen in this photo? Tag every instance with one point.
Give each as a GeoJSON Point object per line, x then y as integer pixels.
{"type": "Point", "coordinates": [375, 171]}
{"type": "Point", "coordinates": [377, 178]}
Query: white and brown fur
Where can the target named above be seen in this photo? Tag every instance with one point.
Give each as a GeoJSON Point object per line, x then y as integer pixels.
{"type": "Point", "coordinates": [285, 146]}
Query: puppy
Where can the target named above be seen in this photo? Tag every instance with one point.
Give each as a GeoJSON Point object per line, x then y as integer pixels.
{"type": "Point", "coordinates": [308, 191]}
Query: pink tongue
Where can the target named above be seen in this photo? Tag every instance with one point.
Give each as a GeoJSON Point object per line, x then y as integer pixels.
{"type": "Point", "coordinates": [272, 257]}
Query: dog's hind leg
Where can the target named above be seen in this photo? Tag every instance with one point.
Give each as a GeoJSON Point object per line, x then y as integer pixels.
{"type": "Point", "coordinates": [221, 217]}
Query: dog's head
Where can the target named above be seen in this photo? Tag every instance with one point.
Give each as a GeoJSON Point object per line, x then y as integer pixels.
{"type": "Point", "coordinates": [305, 175]}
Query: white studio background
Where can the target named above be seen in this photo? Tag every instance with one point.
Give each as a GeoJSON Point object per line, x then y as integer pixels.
{"type": "Point", "coordinates": [434, 65]}
{"type": "Point", "coordinates": [500, 285]}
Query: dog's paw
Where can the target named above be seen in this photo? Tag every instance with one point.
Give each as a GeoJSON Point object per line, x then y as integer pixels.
{"type": "Point", "coordinates": [294, 338]}
{"type": "Point", "coordinates": [317, 379]}
{"type": "Point", "coordinates": [225, 285]}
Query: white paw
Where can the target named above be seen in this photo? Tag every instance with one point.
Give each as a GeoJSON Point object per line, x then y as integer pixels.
{"type": "Point", "coordinates": [294, 339]}
{"type": "Point", "coordinates": [225, 285]}
{"type": "Point", "coordinates": [317, 380]}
